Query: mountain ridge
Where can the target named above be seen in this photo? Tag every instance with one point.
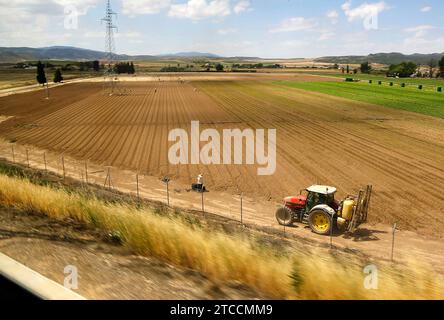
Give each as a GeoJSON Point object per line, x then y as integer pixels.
{"type": "Point", "coordinates": [20, 54]}
{"type": "Point", "coordinates": [384, 58]}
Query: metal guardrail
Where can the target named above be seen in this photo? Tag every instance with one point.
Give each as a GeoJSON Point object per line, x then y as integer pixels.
{"type": "Point", "coordinates": [19, 282]}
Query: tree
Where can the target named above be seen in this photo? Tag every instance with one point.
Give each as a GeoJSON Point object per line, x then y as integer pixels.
{"type": "Point", "coordinates": [348, 69]}
{"type": "Point", "coordinates": [366, 67]}
{"type": "Point", "coordinates": [431, 65]}
{"type": "Point", "coordinates": [132, 68]}
{"type": "Point", "coordinates": [441, 67]}
{"type": "Point", "coordinates": [96, 65]}
{"type": "Point", "coordinates": [41, 76]}
{"type": "Point", "coordinates": [402, 70]}
{"type": "Point", "coordinates": [58, 76]}
{"type": "Point", "coordinates": [219, 67]}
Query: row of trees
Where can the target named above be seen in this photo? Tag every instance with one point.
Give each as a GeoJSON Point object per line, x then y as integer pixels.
{"type": "Point", "coordinates": [219, 68]}
{"type": "Point", "coordinates": [347, 70]}
{"type": "Point", "coordinates": [407, 69]}
{"type": "Point", "coordinates": [41, 75]}
{"type": "Point", "coordinates": [125, 67]}
{"type": "Point", "coordinates": [441, 67]}
{"type": "Point", "coordinates": [366, 67]}
{"type": "Point", "coordinates": [402, 70]}
{"type": "Point", "coordinates": [83, 66]}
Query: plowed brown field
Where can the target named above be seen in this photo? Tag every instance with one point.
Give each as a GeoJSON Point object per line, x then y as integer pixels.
{"type": "Point", "coordinates": [321, 139]}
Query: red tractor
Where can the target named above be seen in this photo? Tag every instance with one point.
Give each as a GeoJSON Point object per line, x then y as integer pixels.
{"type": "Point", "coordinates": [317, 207]}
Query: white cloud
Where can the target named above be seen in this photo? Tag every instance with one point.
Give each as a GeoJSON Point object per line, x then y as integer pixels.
{"type": "Point", "coordinates": [201, 9]}
{"type": "Point", "coordinates": [295, 43]}
{"type": "Point", "coordinates": [242, 6]}
{"type": "Point", "coordinates": [295, 24]}
{"type": "Point", "coordinates": [82, 6]}
{"type": "Point", "coordinates": [38, 22]}
{"type": "Point", "coordinates": [224, 32]}
{"type": "Point", "coordinates": [333, 16]}
{"type": "Point", "coordinates": [134, 35]}
{"type": "Point", "coordinates": [426, 9]}
{"type": "Point", "coordinates": [419, 31]}
{"type": "Point", "coordinates": [139, 7]}
{"type": "Point", "coordinates": [326, 35]}
{"type": "Point", "coordinates": [421, 45]}
{"type": "Point", "coordinates": [190, 9]}
{"type": "Point", "coordinates": [22, 8]}
{"type": "Point", "coordinates": [419, 42]}
{"type": "Point", "coordinates": [363, 11]}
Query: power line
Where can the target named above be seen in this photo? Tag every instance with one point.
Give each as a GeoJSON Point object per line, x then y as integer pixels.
{"type": "Point", "coordinates": [110, 76]}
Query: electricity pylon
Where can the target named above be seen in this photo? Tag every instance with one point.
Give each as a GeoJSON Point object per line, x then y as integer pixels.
{"type": "Point", "coordinates": [110, 77]}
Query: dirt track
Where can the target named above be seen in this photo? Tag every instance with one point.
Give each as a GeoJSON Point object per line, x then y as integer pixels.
{"type": "Point", "coordinates": [321, 139]}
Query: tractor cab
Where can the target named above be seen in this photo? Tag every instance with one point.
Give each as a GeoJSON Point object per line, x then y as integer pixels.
{"type": "Point", "coordinates": [317, 195]}
{"type": "Point", "coordinates": [297, 208]}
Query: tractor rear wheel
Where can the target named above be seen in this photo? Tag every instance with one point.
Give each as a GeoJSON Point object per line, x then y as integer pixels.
{"type": "Point", "coordinates": [320, 221]}
{"type": "Point", "coordinates": [284, 216]}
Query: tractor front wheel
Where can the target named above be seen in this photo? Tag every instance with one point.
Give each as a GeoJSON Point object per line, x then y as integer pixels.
{"type": "Point", "coordinates": [320, 221]}
{"type": "Point", "coordinates": [284, 216]}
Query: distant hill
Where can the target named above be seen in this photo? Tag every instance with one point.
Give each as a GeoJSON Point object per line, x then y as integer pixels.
{"type": "Point", "coordinates": [18, 54]}
{"type": "Point", "coordinates": [384, 58]}
{"type": "Point", "coordinates": [191, 54]}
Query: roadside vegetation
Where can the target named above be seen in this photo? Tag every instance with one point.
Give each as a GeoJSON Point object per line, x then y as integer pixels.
{"type": "Point", "coordinates": [426, 101]}
{"type": "Point", "coordinates": [294, 272]}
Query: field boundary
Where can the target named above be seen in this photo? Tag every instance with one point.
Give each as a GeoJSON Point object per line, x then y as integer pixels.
{"type": "Point", "coordinates": [142, 187]}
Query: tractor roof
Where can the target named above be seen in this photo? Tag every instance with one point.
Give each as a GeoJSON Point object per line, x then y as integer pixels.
{"type": "Point", "coordinates": [322, 189]}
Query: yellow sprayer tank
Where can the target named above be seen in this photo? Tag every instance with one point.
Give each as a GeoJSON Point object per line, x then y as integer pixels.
{"type": "Point", "coordinates": [347, 209]}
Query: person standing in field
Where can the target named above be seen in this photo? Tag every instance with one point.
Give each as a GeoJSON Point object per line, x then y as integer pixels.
{"type": "Point", "coordinates": [199, 186]}
{"type": "Point", "coordinates": [200, 182]}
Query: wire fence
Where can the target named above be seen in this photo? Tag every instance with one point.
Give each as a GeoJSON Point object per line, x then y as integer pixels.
{"type": "Point", "coordinates": [137, 185]}
{"type": "Point", "coordinates": [143, 187]}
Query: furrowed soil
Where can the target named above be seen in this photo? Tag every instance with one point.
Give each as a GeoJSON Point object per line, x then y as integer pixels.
{"type": "Point", "coordinates": [321, 139]}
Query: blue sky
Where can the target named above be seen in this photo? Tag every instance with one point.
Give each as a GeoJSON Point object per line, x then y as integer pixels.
{"type": "Point", "coordinates": [265, 28]}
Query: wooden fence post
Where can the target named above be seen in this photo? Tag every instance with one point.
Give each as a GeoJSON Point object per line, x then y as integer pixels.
{"type": "Point", "coordinates": [63, 166]}
{"type": "Point", "coordinates": [86, 171]}
{"type": "Point", "coordinates": [44, 161]}
{"type": "Point", "coordinates": [203, 206]}
{"type": "Point", "coordinates": [393, 240]}
{"type": "Point", "coordinates": [137, 186]}
{"type": "Point", "coordinates": [241, 208]}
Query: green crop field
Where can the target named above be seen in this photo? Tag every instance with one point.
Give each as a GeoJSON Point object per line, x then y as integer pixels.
{"type": "Point", "coordinates": [410, 98]}
{"type": "Point", "coordinates": [360, 76]}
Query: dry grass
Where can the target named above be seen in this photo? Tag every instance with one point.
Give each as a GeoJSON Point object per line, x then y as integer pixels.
{"type": "Point", "coordinates": [305, 274]}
